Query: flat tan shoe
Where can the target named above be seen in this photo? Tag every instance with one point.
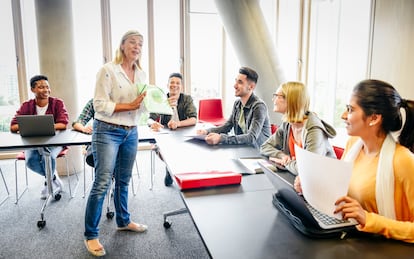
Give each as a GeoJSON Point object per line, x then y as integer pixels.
{"type": "Point", "coordinates": [97, 252]}
{"type": "Point", "coordinates": [135, 227]}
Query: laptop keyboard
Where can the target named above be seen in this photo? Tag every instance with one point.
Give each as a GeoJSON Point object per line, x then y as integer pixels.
{"type": "Point", "coordinates": [327, 220]}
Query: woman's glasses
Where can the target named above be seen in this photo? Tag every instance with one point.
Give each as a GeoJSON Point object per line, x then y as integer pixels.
{"type": "Point", "coordinates": [275, 95]}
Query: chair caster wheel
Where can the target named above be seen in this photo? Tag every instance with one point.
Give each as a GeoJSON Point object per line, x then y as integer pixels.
{"type": "Point", "coordinates": [41, 224]}
{"type": "Point", "coordinates": [58, 196]}
{"type": "Point", "coordinates": [167, 224]}
{"type": "Point", "coordinates": [110, 215]}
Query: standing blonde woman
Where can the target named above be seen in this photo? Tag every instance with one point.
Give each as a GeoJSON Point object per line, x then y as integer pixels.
{"type": "Point", "coordinates": [114, 138]}
{"type": "Point", "coordinates": [299, 127]}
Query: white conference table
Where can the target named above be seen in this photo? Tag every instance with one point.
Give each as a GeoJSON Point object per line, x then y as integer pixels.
{"type": "Point", "coordinates": [14, 142]}
{"type": "Point", "coordinates": [240, 221]}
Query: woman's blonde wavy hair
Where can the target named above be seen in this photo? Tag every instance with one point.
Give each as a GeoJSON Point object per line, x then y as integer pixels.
{"type": "Point", "coordinates": [119, 54]}
{"type": "Point", "coordinates": [297, 101]}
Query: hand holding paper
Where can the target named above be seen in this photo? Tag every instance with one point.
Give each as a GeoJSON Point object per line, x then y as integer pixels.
{"type": "Point", "coordinates": [156, 100]}
{"type": "Point", "coordinates": [323, 179]}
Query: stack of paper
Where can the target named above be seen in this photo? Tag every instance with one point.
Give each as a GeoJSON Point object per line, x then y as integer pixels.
{"type": "Point", "coordinates": [252, 164]}
{"type": "Point", "coordinates": [323, 179]}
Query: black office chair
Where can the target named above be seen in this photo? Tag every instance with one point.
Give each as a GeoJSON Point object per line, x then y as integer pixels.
{"type": "Point", "coordinates": [7, 189]}
{"type": "Point", "coordinates": [87, 160]}
{"type": "Point", "coordinates": [141, 146]}
{"type": "Point", "coordinates": [110, 195]}
{"type": "Point", "coordinates": [167, 224]}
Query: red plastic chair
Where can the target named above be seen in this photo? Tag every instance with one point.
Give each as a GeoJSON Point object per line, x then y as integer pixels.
{"type": "Point", "coordinates": [211, 111]}
{"type": "Point", "coordinates": [21, 157]}
{"type": "Point", "coordinates": [338, 151]}
{"type": "Point", "coordinates": [273, 128]}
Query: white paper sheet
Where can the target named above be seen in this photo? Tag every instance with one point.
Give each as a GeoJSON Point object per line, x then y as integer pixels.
{"type": "Point", "coordinates": [196, 136]}
{"type": "Point", "coordinates": [156, 100]}
{"type": "Point", "coordinates": [323, 179]}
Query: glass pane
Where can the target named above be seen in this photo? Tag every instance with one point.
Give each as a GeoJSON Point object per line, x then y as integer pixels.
{"type": "Point", "coordinates": [206, 53]}
{"type": "Point", "coordinates": [9, 92]}
{"type": "Point", "coordinates": [269, 10]}
{"type": "Point", "coordinates": [284, 30]}
{"type": "Point", "coordinates": [214, 64]}
{"type": "Point", "coordinates": [288, 37]}
{"type": "Point", "coordinates": [203, 6]}
{"type": "Point", "coordinates": [338, 54]}
{"type": "Point", "coordinates": [31, 48]}
{"type": "Point", "coordinates": [230, 72]}
{"type": "Point", "coordinates": [88, 46]}
{"type": "Point", "coordinates": [130, 15]}
{"type": "Point", "coordinates": [166, 39]}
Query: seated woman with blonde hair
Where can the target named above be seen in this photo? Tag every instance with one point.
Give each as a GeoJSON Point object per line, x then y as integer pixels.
{"type": "Point", "coordinates": [299, 126]}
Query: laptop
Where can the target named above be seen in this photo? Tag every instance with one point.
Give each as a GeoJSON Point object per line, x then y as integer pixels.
{"type": "Point", "coordinates": [287, 198]}
{"type": "Point", "coordinates": [36, 125]}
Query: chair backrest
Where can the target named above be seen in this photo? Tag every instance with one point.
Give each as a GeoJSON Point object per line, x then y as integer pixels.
{"type": "Point", "coordinates": [273, 128]}
{"type": "Point", "coordinates": [338, 151]}
{"type": "Point", "coordinates": [211, 110]}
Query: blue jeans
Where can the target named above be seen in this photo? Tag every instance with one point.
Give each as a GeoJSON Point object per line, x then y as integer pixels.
{"type": "Point", "coordinates": [114, 150]}
{"type": "Point", "coordinates": [35, 159]}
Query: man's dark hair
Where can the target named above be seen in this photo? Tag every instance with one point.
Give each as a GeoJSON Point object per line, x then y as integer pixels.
{"type": "Point", "coordinates": [176, 75]}
{"type": "Point", "coordinates": [250, 73]}
{"type": "Point", "coordinates": [36, 78]}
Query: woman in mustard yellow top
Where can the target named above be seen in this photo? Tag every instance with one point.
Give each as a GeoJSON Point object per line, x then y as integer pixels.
{"type": "Point", "coordinates": [381, 191]}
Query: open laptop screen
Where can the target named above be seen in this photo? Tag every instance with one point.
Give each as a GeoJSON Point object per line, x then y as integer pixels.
{"type": "Point", "coordinates": [36, 125]}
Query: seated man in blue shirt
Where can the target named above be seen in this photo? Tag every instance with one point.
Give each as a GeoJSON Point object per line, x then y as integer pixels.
{"type": "Point", "coordinates": [249, 119]}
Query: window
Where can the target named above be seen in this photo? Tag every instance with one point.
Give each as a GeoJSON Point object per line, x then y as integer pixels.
{"type": "Point", "coordinates": [88, 47]}
{"type": "Point", "coordinates": [213, 62]}
{"type": "Point", "coordinates": [130, 15]}
{"type": "Point", "coordinates": [338, 54]}
{"type": "Point", "coordinates": [166, 39]}
{"type": "Point", "coordinates": [9, 92]}
{"type": "Point", "coordinates": [230, 72]}
{"type": "Point", "coordinates": [282, 18]}
{"type": "Point", "coordinates": [205, 49]}
{"type": "Point", "coordinates": [31, 49]}
{"type": "Point", "coordinates": [337, 49]}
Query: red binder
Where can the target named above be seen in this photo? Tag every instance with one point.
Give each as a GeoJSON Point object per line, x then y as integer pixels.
{"type": "Point", "coordinates": [193, 180]}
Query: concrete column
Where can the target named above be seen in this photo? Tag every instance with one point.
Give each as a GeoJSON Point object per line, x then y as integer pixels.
{"type": "Point", "coordinates": [245, 25]}
{"type": "Point", "coordinates": [57, 59]}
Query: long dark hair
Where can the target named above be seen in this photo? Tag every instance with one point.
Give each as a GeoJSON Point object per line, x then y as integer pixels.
{"type": "Point", "coordinates": [379, 97]}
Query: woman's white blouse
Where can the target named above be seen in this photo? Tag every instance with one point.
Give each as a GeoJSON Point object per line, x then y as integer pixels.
{"type": "Point", "coordinates": [112, 87]}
